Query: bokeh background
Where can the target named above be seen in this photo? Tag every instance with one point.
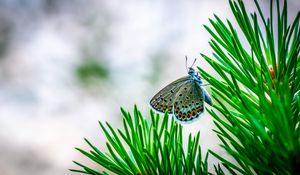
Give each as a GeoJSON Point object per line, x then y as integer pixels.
{"type": "Point", "coordinates": [65, 64]}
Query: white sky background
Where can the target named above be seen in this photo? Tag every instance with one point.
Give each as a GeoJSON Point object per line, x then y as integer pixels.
{"type": "Point", "coordinates": [44, 113]}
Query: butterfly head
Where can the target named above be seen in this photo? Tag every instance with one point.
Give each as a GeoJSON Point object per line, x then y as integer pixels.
{"type": "Point", "coordinates": [194, 75]}
{"type": "Point", "coordinates": [192, 72]}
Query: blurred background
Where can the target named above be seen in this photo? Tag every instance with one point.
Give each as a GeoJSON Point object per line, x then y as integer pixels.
{"type": "Point", "coordinates": [65, 64]}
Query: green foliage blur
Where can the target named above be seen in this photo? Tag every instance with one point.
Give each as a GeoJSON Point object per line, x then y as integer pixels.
{"type": "Point", "coordinates": [91, 71]}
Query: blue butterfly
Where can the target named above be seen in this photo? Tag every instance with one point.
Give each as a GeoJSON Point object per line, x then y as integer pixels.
{"type": "Point", "coordinates": [183, 98]}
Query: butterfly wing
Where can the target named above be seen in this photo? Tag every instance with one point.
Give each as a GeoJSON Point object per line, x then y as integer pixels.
{"type": "Point", "coordinates": [188, 104]}
{"type": "Point", "coordinates": [163, 101]}
{"type": "Point", "coordinates": [207, 97]}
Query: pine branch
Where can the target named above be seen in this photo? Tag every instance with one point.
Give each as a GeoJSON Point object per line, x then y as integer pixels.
{"type": "Point", "coordinates": [143, 147]}
{"type": "Point", "coordinates": [258, 97]}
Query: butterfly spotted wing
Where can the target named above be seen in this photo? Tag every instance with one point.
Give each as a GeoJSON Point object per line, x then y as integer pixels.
{"type": "Point", "coordinates": [183, 98]}
{"type": "Point", "coordinates": [188, 104]}
{"type": "Point", "coordinates": [163, 101]}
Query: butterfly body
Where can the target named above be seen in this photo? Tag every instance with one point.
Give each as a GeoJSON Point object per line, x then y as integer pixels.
{"type": "Point", "coordinates": [184, 98]}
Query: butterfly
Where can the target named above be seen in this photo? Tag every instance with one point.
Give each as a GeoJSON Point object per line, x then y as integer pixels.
{"type": "Point", "coordinates": [183, 98]}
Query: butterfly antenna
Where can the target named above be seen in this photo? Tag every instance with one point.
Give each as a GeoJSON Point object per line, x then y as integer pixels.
{"type": "Point", "coordinates": [186, 63]}
{"type": "Point", "coordinates": [194, 62]}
